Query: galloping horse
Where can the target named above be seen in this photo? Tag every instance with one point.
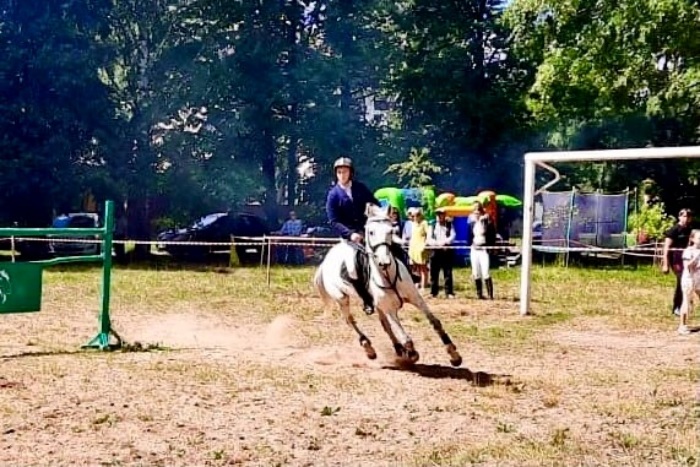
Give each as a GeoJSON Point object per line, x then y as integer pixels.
{"type": "Point", "coordinates": [390, 284]}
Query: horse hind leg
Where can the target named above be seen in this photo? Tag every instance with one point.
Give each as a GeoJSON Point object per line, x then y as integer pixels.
{"type": "Point", "coordinates": [350, 319]}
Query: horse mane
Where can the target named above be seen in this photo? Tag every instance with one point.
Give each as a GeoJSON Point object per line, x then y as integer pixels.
{"type": "Point", "coordinates": [378, 219]}
{"type": "Point", "coordinates": [376, 213]}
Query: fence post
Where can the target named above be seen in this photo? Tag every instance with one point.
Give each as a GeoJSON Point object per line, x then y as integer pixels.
{"type": "Point", "coordinates": [101, 341]}
{"type": "Point", "coordinates": [269, 260]}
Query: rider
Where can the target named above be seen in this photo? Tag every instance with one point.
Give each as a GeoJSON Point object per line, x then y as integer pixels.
{"type": "Point", "coordinates": [345, 207]}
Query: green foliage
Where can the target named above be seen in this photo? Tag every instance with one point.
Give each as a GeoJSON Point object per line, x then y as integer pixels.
{"type": "Point", "coordinates": [417, 171]}
{"type": "Point", "coordinates": [651, 221]}
{"type": "Point", "coordinates": [458, 85]}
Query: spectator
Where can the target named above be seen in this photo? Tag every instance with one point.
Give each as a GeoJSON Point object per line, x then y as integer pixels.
{"type": "Point", "coordinates": [690, 279]}
{"type": "Point", "coordinates": [398, 231]}
{"type": "Point", "coordinates": [417, 251]}
{"type": "Point", "coordinates": [675, 241]}
{"type": "Point", "coordinates": [408, 226]}
{"type": "Point", "coordinates": [292, 227]}
{"type": "Point", "coordinates": [483, 237]}
{"type": "Point", "coordinates": [441, 236]}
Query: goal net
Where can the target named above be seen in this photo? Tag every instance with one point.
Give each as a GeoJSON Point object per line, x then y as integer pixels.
{"type": "Point", "coordinates": [543, 160]}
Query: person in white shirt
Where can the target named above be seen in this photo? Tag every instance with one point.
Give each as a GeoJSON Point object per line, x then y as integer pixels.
{"type": "Point", "coordinates": [440, 238]}
{"type": "Point", "coordinates": [483, 237]}
{"type": "Point", "coordinates": [690, 279]}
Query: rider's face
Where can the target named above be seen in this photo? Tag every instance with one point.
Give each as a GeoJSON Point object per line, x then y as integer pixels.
{"type": "Point", "coordinates": [343, 174]}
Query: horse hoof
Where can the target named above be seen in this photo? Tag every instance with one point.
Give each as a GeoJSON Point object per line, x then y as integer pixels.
{"type": "Point", "coordinates": [455, 357]}
{"type": "Point", "coordinates": [410, 353]}
{"type": "Point", "coordinates": [399, 349]}
{"type": "Point", "coordinates": [371, 353]}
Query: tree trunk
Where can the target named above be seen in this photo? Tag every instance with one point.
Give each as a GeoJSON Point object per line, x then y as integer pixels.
{"type": "Point", "coordinates": [292, 174]}
{"type": "Point", "coordinates": [269, 176]}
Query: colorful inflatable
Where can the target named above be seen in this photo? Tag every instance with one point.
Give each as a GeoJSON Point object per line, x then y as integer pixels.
{"type": "Point", "coordinates": [404, 198]}
{"type": "Point", "coordinates": [390, 196]}
{"type": "Point", "coordinates": [488, 201]}
{"type": "Point", "coordinates": [445, 199]}
{"type": "Point", "coordinates": [458, 211]}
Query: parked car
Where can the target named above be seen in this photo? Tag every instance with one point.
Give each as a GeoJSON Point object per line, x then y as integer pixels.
{"type": "Point", "coordinates": [217, 227]}
{"type": "Point", "coordinates": [75, 220]}
{"type": "Point", "coordinates": [54, 245]}
{"type": "Point", "coordinates": [314, 254]}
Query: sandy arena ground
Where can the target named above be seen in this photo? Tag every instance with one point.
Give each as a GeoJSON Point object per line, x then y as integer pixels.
{"type": "Point", "coordinates": [226, 386]}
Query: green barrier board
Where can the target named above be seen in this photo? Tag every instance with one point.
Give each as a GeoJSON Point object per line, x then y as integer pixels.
{"type": "Point", "coordinates": [20, 287]}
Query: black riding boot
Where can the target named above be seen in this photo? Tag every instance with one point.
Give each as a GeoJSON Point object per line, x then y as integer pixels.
{"type": "Point", "coordinates": [365, 296]}
{"type": "Point", "coordinates": [360, 285]}
{"type": "Point", "coordinates": [489, 287]}
{"type": "Point", "coordinates": [479, 289]}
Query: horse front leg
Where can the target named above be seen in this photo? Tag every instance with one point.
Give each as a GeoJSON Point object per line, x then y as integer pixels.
{"type": "Point", "coordinates": [403, 344]}
{"type": "Point", "coordinates": [398, 346]}
{"type": "Point", "coordinates": [350, 319]}
{"type": "Point", "coordinates": [414, 298]}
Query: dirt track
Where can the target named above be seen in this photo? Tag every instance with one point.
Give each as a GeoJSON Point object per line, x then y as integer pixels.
{"type": "Point", "coordinates": [296, 389]}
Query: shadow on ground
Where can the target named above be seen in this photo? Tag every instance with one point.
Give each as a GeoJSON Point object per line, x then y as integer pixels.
{"type": "Point", "coordinates": [479, 378]}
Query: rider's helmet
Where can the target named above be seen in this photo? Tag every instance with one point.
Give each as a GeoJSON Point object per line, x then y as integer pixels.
{"type": "Point", "coordinates": [343, 162]}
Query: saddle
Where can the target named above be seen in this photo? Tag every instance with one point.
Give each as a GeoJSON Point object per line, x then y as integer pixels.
{"type": "Point", "coordinates": [361, 266]}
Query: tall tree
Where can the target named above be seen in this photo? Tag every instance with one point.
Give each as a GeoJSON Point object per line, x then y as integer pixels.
{"type": "Point", "coordinates": [613, 74]}
{"type": "Point", "coordinates": [458, 85]}
{"type": "Point", "coordinates": [48, 132]}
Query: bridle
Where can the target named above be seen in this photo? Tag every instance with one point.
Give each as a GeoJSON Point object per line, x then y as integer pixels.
{"type": "Point", "coordinates": [384, 270]}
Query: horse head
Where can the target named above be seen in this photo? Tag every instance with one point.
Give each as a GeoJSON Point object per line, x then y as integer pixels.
{"type": "Point", "coordinates": [379, 235]}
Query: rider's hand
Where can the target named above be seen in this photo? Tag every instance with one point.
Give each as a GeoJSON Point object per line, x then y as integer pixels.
{"type": "Point", "coordinates": [356, 237]}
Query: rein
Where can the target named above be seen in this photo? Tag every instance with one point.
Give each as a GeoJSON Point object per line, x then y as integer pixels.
{"type": "Point", "coordinates": [392, 282]}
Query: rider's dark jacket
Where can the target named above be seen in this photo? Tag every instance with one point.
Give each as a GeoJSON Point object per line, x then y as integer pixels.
{"type": "Point", "coordinates": [347, 215]}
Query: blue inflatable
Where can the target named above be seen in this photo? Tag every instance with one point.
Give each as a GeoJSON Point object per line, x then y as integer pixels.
{"type": "Point", "coordinates": [462, 237]}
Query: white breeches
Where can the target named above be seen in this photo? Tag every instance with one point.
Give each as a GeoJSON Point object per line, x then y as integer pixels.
{"type": "Point", "coordinates": [480, 264]}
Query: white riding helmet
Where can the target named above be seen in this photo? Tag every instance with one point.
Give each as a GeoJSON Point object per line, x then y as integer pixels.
{"type": "Point", "coordinates": [343, 162]}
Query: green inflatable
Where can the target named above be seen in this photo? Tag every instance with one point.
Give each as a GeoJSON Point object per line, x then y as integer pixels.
{"type": "Point", "coordinates": [404, 198]}
{"type": "Point", "coordinates": [508, 201]}
{"type": "Point", "coordinates": [465, 200]}
{"type": "Point", "coordinates": [444, 199]}
{"type": "Point", "coordinates": [429, 203]}
{"type": "Point", "coordinates": [393, 197]}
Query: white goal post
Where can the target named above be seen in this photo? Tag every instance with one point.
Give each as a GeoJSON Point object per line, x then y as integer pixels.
{"type": "Point", "coordinates": [542, 158]}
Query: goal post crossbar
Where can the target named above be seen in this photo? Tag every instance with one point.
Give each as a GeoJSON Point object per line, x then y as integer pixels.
{"type": "Point", "coordinates": [533, 158]}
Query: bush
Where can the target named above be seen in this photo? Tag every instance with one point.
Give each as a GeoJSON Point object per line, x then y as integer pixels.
{"type": "Point", "coordinates": [650, 223]}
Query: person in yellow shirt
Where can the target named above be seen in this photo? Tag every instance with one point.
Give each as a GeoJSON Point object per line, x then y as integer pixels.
{"type": "Point", "coordinates": [417, 251]}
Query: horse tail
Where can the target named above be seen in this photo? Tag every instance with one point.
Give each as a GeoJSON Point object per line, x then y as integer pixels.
{"type": "Point", "coordinates": [320, 286]}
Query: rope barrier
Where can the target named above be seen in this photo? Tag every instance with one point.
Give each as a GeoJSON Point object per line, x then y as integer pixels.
{"type": "Point", "coordinates": [328, 242]}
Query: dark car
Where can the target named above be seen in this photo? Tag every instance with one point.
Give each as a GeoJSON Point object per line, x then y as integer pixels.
{"type": "Point", "coordinates": [38, 248]}
{"type": "Point", "coordinates": [314, 253]}
{"type": "Point", "coordinates": [217, 228]}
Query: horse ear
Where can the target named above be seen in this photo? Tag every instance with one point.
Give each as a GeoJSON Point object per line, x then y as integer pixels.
{"type": "Point", "coordinates": [370, 210]}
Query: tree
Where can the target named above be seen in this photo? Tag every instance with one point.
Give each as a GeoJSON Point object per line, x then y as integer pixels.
{"type": "Point", "coordinates": [417, 171]}
{"type": "Point", "coordinates": [458, 86]}
{"type": "Point", "coordinates": [49, 135]}
{"type": "Point", "coordinates": [613, 74]}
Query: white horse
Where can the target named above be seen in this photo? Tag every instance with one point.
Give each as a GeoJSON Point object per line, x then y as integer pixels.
{"type": "Point", "coordinates": [390, 284]}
